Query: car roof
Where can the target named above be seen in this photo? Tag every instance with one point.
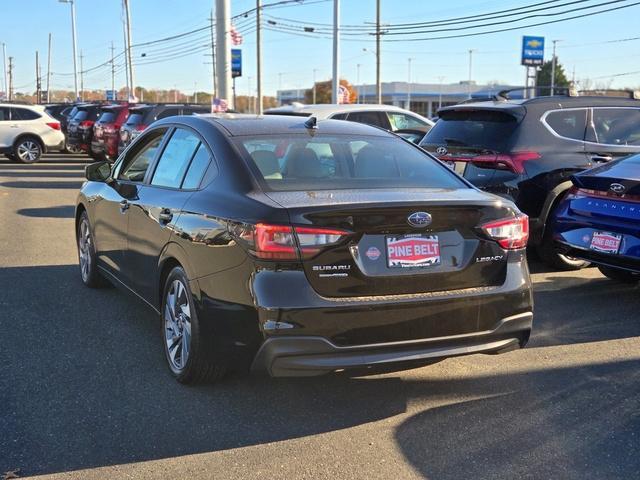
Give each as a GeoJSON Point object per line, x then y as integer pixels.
{"type": "Point", "coordinates": [326, 109]}
{"type": "Point", "coordinates": [556, 101]}
{"type": "Point", "coordinates": [235, 124]}
{"type": "Point", "coordinates": [39, 108]}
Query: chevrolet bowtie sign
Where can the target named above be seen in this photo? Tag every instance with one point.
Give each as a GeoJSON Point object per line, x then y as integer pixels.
{"type": "Point", "coordinates": [532, 51]}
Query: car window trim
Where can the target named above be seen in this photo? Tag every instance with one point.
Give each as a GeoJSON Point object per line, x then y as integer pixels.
{"type": "Point", "coordinates": [174, 127]}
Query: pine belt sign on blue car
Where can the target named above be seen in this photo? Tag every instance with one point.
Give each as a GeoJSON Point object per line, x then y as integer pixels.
{"type": "Point", "coordinates": [532, 51]}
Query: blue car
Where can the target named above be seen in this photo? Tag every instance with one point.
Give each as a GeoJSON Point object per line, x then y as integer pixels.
{"type": "Point", "coordinates": [599, 219]}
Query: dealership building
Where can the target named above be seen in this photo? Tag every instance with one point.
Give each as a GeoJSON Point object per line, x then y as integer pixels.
{"type": "Point", "coordinates": [425, 98]}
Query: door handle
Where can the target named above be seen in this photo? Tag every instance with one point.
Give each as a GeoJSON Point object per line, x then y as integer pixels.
{"type": "Point", "coordinates": [14, 126]}
{"type": "Point", "coordinates": [601, 158]}
{"type": "Point", "coordinates": [165, 216]}
{"type": "Point", "coordinates": [124, 206]}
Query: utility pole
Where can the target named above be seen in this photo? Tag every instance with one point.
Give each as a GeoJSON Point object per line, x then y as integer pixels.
{"type": "Point", "coordinates": [38, 92]}
{"type": "Point", "coordinates": [4, 67]}
{"type": "Point", "coordinates": [335, 84]}
{"type": "Point", "coordinates": [113, 72]}
{"type": "Point", "coordinates": [10, 93]}
{"type": "Point", "coordinates": [440, 80]}
{"type": "Point", "coordinates": [213, 54]}
{"type": "Point", "coordinates": [553, 67]}
{"type": "Point", "coordinates": [81, 77]}
{"type": "Point", "coordinates": [378, 33]}
{"type": "Point", "coordinates": [314, 85]}
{"type": "Point", "coordinates": [409, 86]}
{"type": "Point", "coordinates": [259, 56]}
{"type": "Point", "coordinates": [195, 92]}
{"type": "Point", "coordinates": [358, 81]}
{"type": "Point", "coordinates": [470, 70]}
{"type": "Point", "coordinates": [49, 71]}
{"type": "Point", "coordinates": [223, 58]}
{"type": "Point", "coordinates": [73, 34]}
{"type": "Point", "coordinates": [131, 73]}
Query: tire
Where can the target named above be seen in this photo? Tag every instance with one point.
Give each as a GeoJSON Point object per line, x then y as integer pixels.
{"type": "Point", "coordinates": [184, 346]}
{"type": "Point", "coordinates": [27, 150]}
{"type": "Point", "coordinates": [89, 272]}
{"type": "Point", "coordinates": [619, 275]}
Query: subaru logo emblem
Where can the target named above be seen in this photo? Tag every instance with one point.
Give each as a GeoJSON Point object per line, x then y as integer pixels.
{"type": "Point", "coordinates": [617, 188]}
{"type": "Point", "coordinates": [419, 219]}
{"type": "Point", "coordinates": [441, 150]}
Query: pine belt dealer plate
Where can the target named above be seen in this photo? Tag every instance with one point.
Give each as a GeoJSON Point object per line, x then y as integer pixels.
{"type": "Point", "coordinates": [406, 251]}
{"type": "Point", "coordinates": [606, 242]}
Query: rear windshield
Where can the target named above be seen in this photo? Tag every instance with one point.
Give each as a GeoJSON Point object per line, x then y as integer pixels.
{"type": "Point", "coordinates": [81, 115]}
{"type": "Point", "coordinates": [136, 117]}
{"type": "Point", "coordinates": [323, 162]}
{"type": "Point", "coordinates": [108, 117]}
{"type": "Point", "coordinates": [472, 128]}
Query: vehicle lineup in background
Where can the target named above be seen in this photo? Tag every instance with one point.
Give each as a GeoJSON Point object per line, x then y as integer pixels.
{"type": "Point", "coordinates": [294, 247]}
{"type": "Point", "coordinates": [27, 131]}
{"type": "Point", "coordinates": [527, 150]}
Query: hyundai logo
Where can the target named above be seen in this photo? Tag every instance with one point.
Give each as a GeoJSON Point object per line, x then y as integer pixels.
{"type": "Point", "coordinates": [441, 150]}
{"type": "Point", "coordinates": [617, 188]}
{"type": "Point", "coordinates": [419, 219]}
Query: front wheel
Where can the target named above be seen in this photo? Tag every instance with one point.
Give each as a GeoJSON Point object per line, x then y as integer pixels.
{"type": "Point", "coordinates": [619, 275]}
{"type": "Point", "coordinates": [27, 150]}
{"type": "Point", "coordinates": [184, 347]}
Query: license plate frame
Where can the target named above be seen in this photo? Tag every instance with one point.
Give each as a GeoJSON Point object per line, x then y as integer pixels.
{"type": "Point", "coordinates": [412, 251]}
{"type": "Point", "coordinates": [606, 242]}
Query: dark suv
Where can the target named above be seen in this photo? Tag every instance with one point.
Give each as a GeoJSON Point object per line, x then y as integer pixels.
{"type": "Point", "coordinates": [141, 116]}
{"type": "Point", "coordinates": [80, 128]}
{"type": "Point", "coordinates": [527, 150]}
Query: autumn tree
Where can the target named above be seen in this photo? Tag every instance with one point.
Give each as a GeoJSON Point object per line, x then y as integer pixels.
{"type": "Point", "coordinates": [323, 92]}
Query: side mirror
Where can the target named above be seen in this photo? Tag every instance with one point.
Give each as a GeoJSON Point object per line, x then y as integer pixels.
{"type": "Point", "coordinates": [98, 171]}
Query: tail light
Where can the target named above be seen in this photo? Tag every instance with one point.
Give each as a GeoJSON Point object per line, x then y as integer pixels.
{"type": "Point", "coordinates": [54, 125]}
{"type": "Point", "coordinates": [86, 124]}
{"type": "Point", "coordinates": [510, 233]}
{"type": "Point", "coordinates": [576, 192]}
{"type": "Point", "coordinates": [282, 242]}
{"type": "Point", "coordinates": [513, 161]}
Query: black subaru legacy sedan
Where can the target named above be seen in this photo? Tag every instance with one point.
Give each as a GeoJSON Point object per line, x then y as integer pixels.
{"type": "Point", "coordinates": [281, 245]}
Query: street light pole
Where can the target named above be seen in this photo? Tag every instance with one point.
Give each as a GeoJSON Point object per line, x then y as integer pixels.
{"type": "Point", "coordinates": [358, 80]}
{"type": "Point", "coordinates": [314, 85]}
{"type": "Point", "coordinates": [553, 67]}
{"type": "Point", "coordinates": [73, 34]}
{"type": "Point", "coordinates": [335, 87]}
{"type": "Point", "coordinates": [409, 86]}
{"type": "Point", "coordinates": [223, 51]}
{"type": "Point", "coordinates": [258, 57]}
{"type": "Point", "coordinates": [440, 80]}
{"type": "Point", "coordinates": [4, 65]}
{"type": "Point", "coordinates": [49, 71]}
{"type": "Point", "coordinates": [131, 73]}
{"type": "Point", "coordinates": [378, 81]}
{"type": "Point", "coordinates": [470, 70]}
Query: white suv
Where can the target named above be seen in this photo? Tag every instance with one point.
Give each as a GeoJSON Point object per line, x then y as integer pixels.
{"type": "Point", "coordinates": [27, 131]}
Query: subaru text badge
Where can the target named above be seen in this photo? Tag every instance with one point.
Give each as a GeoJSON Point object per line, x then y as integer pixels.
{"type": "Point", "coordinates": [419, 219]}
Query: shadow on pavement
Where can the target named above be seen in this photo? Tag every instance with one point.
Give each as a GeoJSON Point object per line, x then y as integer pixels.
{"type": "Point", "coordinates": [83, 383]}
{"type": "Point", "coordinates": [568, 423]}
{"type": "Point", "coordinates": [63, 211]}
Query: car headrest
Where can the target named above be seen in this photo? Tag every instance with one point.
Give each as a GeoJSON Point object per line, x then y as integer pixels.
{"type": "Point", "coordinates": [372, 163]}
{"type": "Point", "coordinates": [304, 163]}
{"type": "Point", "coordinates": [267, 163]}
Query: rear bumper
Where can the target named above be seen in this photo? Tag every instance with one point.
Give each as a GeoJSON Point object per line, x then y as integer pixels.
{"type": "Point", "coordinates": [308, 356]}
{"type": "Point", "coordinates": [307, 334]}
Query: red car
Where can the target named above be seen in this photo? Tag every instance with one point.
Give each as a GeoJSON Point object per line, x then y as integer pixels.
{"type": "Point", "coordinates": [106, 131]}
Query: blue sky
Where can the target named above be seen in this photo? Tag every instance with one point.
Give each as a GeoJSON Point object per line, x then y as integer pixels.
{"type": "Point", "coordinates": [27, 23]}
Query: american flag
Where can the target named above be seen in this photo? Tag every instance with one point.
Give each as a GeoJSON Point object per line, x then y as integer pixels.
{"type": "Point", "coordinates": [236, 36]}
{"type": "Point", "coordinates": [219, 105]}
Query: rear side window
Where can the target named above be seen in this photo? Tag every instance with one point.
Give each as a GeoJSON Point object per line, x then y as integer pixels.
{"type": "Point", "coordinates": [169, 112]}
{"type": "Point", "coordinates": [81, 115]}
{"type": "Point", "coordinates": [135, 118]}
{"type": "Point", "coordinates": [402, 121]}
{"type": "Point", "coordinates": [568, 123]}
{"type": "Point", "coordinates": [339, 116]}
{"type": "Point", "coordinates": [369, 118]}
{"type": "Point", "coordinates": [198, 166]}
{"type": "Point", "coordinates": [175, 159]}
{"type": "Point", "coordinates": [23, 114]}
{"type": "Point", "coordinates": [472, 128]}
{"type": "Point", "coordinates": [4, 114]}
{"type": "Point", "coordinates": [322, 162]}
{"type": "Point", "coordinates": [617, 126]}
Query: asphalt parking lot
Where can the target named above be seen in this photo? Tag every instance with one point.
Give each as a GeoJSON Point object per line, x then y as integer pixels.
{"type": "Point", "coordinates": [84, 390]}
